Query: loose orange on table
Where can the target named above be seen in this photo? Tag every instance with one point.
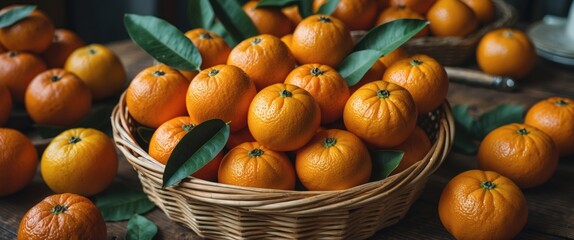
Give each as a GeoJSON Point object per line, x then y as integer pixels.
{"type": "Point", "coordinates": [5, 105]}
{"type": "Point", "coordinates": [479, 204]}
{"type": "Point", "coordinates": [268, 20]}
{"type": "Point", "coordinates": [65, 42]}
{"type": "Point", "coordinates": [63, 216]}
{"type": "Point", "coordinates": [33, 33]}
{"type": "Point", "coordinates": [212, 48]}
{"type": "Point", "coordinates": [520, 152]}
{"type": "Point", "coordinates": [18, 161]}
{"type": "Point", "coordinates": [451, 18]}
{"type": "Point", "coordinates": [415, 148]}
{"type": "Point", "coordinates": [17, 69]}
{"type": "Point", "coordinates": [555, 117]}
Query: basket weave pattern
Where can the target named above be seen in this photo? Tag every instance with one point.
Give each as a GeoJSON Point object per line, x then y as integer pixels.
{"type": "Point", "coordinates": [220, 211]}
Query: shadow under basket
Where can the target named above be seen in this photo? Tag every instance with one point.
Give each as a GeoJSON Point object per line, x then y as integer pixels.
{"type": "Point", "coordinates": [219, 211]}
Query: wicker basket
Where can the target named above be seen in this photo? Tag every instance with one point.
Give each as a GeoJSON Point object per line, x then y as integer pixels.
{"type": "Point", "coordinates": [220, 211]}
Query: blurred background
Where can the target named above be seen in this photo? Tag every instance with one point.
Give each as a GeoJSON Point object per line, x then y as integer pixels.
{"type": "Point", "coordinates": [101, 21]}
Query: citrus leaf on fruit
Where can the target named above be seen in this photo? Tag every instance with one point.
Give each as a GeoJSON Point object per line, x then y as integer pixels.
{"type": "Point", "coordinates": [277, 3]}
{"type": "Point", "coordinates": [460, 114]}
{"type": "Point", "coordinates": [119, 203]}
{"type": "Point", "coordinates": [328, 7]}
{"type": "Point", "coordinates": [305, 8]}
{"type": "Point", "coordinates": [195, 150]}
{"type": "Point", "coordinates": [389, 36]}
{"type": "Point", "coordinates": [384, 162]}
{"type": "Point", "coordinates": [140, 228]}
{"type": "Point", "coordinates": [356, 64]}
{"type": "Point", "coordinates": [15, 15]}
{"type": "Point", "coordinates": [99, 118]}
{"type": "Point", "coordinates": [501, 115]}
{"type": "Point", "coordinates": [143, 136]}
{"type": "Point", "coordinates": [201, 14]}
{"type": "Point", "coordinates": [163, 41]}
{"type": "Point", "coordinates": [234, 19]}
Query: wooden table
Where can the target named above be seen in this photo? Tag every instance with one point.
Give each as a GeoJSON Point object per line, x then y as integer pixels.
{"type": "Point", "coordinates": [551, 206]}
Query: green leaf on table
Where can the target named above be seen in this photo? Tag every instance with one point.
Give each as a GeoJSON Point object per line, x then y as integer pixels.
{"type": "Point", "coordinates": [119, 203]}
{"type": "Point", "coordinates": [356, 64]}
{"type": "Point", "coordinates": [501, 115]}
{"type": "Point", "coordinates": [277, 3]}
{"type": "Point", "coordinates": [140, 228]}
{"type": "Point", "coordinates": [328, 7]}
{"type": "Point", "coordinates": [460, 114]}
{"type": "Point", "coordinates": [234, 19]}
{"type": "Point", "coordinates": [305, 8]}
{"type": "Point", "coordinates": [201, 14]}
{"type": "Point", "coordinates": [464, 141]}
{"type": "Point", "coordinates": [99, 118]}
{"type": "Point", "coordinates": [143, 136]}
{"type": "Point", "coordinates": [195, 150]}
{"type": "Point", "coordinates": [16, 14]}
{"type": "Point", "coordinates": [384, 162]}
{"type": "Point", "coordinates": [389, 36]}
{"type": "Point", "coordinates": [163, 41]}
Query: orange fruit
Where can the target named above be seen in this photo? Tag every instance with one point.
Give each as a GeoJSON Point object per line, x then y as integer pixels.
{"type": "Point", "coordinates": [520, 152]}
{"type": "Point", "coordinates": [156, 94]}
{"type": "Point", "coordinates": [419, 6]}
{"type": "Point", "coordinates": [222, 91]}
{"type": "Point", "coordinates": [287, 39]}
{"type": "Point", "coordinates": [373, 74]}
{"type": "Point", "coordinates": [189, 75]}
{"type": "Point", "coordinates": [482, 205]}
{"type": "Point", "coordinates": [166, 137]}
{"type": "Point", "coordinates": [356, 14]}
{"type": "Point", "coordinates": [18, 161]}
{"type": "Point", "coordinates": [285, 109]}
{"type": "Point", "coordinates": [99, 68]}
{"type": "Point", "coordinates": [33, 33]}
{"type": "Point", "coordinates": [451, 18]}
{"type": "Point", "coordinates": [381, 113]}
{"type": "Point", "coordinates": [321, 39]}
{"type": "Point", "coordinates": [292, 12]}
{"type": "Point", "coordinates": [251, 164]}
{"type": "Point", "coordinates": [79, 160]}
{"type": "Point", "coordinates": [554, 116]}
{"type": "Point", "coordinates": [333, 160]}
{"type": "Point", "coordinates": [401, 12]}
{"type": "Point", "coordinates": [57, 97]}
{"type": "Point", "coordinates": [239, 137]}
{"type": "Point", "coordinates": [327, 87]}
{"type": "Point", "coordinates": [5, 105]}
{"type": "Point", "coordinates": [506, 52]}
{"type": "Point", "coordinates": [382, 4]}
{"type": "Point", "coordinates": [63, 216]}
{"type": "Point", "coordinates": [393, 56]}
{"type": "Point", "coordinates": [414, 148]}
{"type": "Point", "coordinates": [63, 44]}
{"type": "Point", "coordinates": [265, 58]}
{"type": "Point", "coordinates": [483, 9]}
{"type": "Point", "coordinates": [268, 20]}
{"type": "Point", "coordinates": [423, 77]}
{"type": "Point", "coordinates": [212, 48]}
{"type": "Point", "coordinates": [17, 69]}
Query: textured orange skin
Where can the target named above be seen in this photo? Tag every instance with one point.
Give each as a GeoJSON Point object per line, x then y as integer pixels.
{"type": "Point", "coordinates": [316, 41]}
{"type": "Point", "coordinates": [287, 39]}
{"type": "Point", "coordinates": [469, 211]}
{"type": "Point", "coordinates": [554, 116]}
{"type": "Point", "coordinates": [506, 52]}
{"type": "Point", "coordinates": [86, 167]}
{"type": "Point", "coordinates": [153, 99]}
{"type": "Point", "coordinates": [382, 122]}
{"type": "Point", "coordinates": [271, 170]}
{"type": "Point", "coordinates": [401, 12]}
{"type": "Point", "coordinates": [419, 6]}
{"type": "Point", "coordinates": [268, 20]}
{"type": "Point", "coordinates": [5, 105]}
{"type": "Point", "coordinates": [33, 33]}
{"type": "Point", "coordinates": [415, 148]}
{"type": "Point", "coordinates": [427, 81]}
{"type": "Point", "coordinates": [329, 89]}
{"type": "Point", "coordinates": [18, 161]}
{"type": "Point", "coordinates": [99, 68]}
{"type": "Point", "coordinates": [265, 58]}
{"type": "Point", "coordinates": [81, 220]}
{"type": "Point", "coordinates": [64, 102]}
{"type": "Point", "coordinates": [225, 95]}
{"type": "Point", "coordinates": [356, 14]}
{"type": "Point", "coordinates": [451, 18]}
{"type": "Point", "coordinates": [17, 69]}
{"type": "Point", "coordinates": [529, 160]}
{"type": "Point", "coordinates": [483, 9]}
{"type": "Point", "coordinates": [344, 165]}
{"type": "Point", "coordinates": [212, 48]}
{"type": "Point", "coordinates": [283, 123]}
{"type": "Point", "coordinates": [392, 57]}
{"type": "Point", "coordinates": [64, 43]}
{"type": "Point", "coordinates": [373, 74]}
{"type": "Point", "coordinates": [239, 137]}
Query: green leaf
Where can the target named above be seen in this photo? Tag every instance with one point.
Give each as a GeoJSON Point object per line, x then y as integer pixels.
{"type": "Point", "coordinates": [16, 14]}
{"type": "Point", "coordinates": [384, 162]}
{"type": "Point", "coordinates": [195, 150]}
{"type": "Point", "coordinates": [460, 114]}
{"type": "Point", "coordinates": [501, 115]}
{"type": "Point", "coordinates": [277, 3]}
{"type": "Point", "coordinates": [201, 14]}
{"type": "Point", "coordinates": [99, 118]}
{"type": "Point", "coordinates": [234, 19]}
{"type": "Point", "coordinates": [356, 64]}
{"type": "Point", "coordinates": [389, 36]}
{"type": "Point", "coordinates": [119, 203]}
{"type": "Point", "coordinates": [328, 7]}
{"type": "Point", "coordinates": [305, 8]}
{"type": "Point", "coordinates": [464, 141]}
{"type": "Point", "coordinates": [140, 228]}
{"type": "Point", "coordinates": [163, 41]}
{"type": "Point", "coordinates": [143, 136]}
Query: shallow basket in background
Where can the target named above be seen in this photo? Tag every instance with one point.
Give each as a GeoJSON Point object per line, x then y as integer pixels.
{"type": "Point", "coordinates": [220, 211]}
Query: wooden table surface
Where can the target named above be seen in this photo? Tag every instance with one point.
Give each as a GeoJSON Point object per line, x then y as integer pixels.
{"type": "Point", "coordinates": [551, 206]}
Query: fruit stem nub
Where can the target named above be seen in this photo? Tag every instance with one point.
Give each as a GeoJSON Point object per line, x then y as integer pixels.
{"type": "Point", "coordinates": [205, 36]}
{"type": "Point", "coordinates": [324, 19]}
{"type": "Point", "coordinates": [523, 131]}
{"type": "Point", "coordinates": [285, 93]}
{"type": "Point", "coordinates": [416, 62]}
{"type": "Point", "coordinates": [256, 41]}
{"type": "Point", "coordinates": [561, 103]}
{"type": "Point", "coordinates": [384, 93]}
{"type": "Point", "coordinates": [316, 71]}
{"type": "Point", "coordinates": [158, 73]}
{"type": "Point", "coordinates": [329, 142]}
{"type": "Point", "coordinates": [213, 72]}
{"type": "Point", "coordinates": [74, 139]}
{"type": "Point", "coordinates": [58, 209]}
{"type": "Point", "coordinates": [187, 127]}
{"type": "Point", "coordinates": [487, 185]}
{"type": "Point", "coordinates": [55, 78]}
{"type": "Point", "coordinates": [256, 152]}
